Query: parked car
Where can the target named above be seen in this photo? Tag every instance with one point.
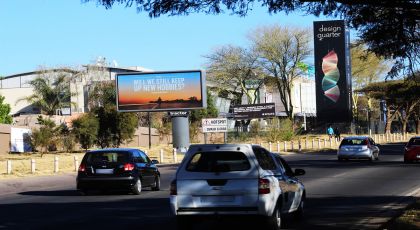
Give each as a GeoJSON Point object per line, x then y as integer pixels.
{"type": "Point", "coordinates": [412, 150]}
{"type": "Point", "coordinates": [117, 169]}
{"type": "Point", "coordinates": [358, 148]}
{"type": "Point", "coordinates": [235, 179]}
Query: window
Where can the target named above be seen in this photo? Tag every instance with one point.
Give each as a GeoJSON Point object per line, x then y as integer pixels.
{"type": "Point", "coordinates": [144, 157]}
{"type": "Point", "coordinates": [288, 170]}
{"type": "Point", "coordinates": [218, 162]}
{"type": "Point", "coordinates": [354, 142]}
{"type": "Point", "coordinates": [108, 157]}
{"type": "Point", "coordinates": [414, 141]}
{"type": "Point", "coordinates": [264, 159]}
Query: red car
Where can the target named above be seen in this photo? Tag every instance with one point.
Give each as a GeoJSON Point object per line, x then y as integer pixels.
{"type": "Point", "coordinates": [412, 150]}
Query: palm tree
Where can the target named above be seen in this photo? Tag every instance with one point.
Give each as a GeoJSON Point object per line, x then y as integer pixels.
{"type": "Point", "coordinates": [50, 93]}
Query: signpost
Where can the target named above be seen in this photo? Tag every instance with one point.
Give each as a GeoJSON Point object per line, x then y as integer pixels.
{"type": "Point", "coordinates": [214, 125]}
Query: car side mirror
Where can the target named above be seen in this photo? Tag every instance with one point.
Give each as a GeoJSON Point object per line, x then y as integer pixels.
{"type": "Point", "coordinates": [155, 162]}
{"type": "Point", "coordinates": [299, 172]}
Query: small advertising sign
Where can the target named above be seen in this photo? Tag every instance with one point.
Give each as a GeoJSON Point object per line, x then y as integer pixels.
{"type": "Point", "coordinates": [214, 125]}
{"type": "Point", "coordinates": [244, 112]}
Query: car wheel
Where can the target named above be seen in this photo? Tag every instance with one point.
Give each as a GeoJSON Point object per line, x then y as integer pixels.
{"type": "Point", "coordinates": [184, 223]}
{"type": "Point", "coordinates": [83, 192]}
{"type": "Point", "coordinates": [136, 189]}
{"type": "Point", "coordinates": [298, 214]}
{"type": "Point", "coordinates": [372, 157]}
{"type": "Point", "coordinates": [274, 222]}
{"type": "Point", "coordinates": [156, 186]}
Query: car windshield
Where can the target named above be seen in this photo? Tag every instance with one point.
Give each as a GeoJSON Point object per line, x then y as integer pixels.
{"type": "Point", "coordinates": [354, 142]}
{"type": "Point", "coordinates": [108, 157]}
{"type": "Point", "coordinates": [414, 141]}
{"type": "Point", "coordinates": [219, 161]}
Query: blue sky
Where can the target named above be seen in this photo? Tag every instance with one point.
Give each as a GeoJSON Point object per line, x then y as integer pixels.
{"type": "Point", "coordinates": [54, 33]}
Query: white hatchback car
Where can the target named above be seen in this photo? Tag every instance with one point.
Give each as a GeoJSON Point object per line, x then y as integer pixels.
{"type": "Point", "coordinates": [358, 148]}
{"type": "Point", "coordinates": [235, 179]}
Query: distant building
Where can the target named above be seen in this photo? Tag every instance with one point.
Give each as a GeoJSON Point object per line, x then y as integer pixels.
{"type": "Point", "coordinates": [15, 87]}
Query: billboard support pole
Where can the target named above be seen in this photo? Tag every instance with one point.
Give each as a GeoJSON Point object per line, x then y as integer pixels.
{"type": "Point", "coordinates": [150, 129]}
{"type": "Point", "coordinates": [180, 133]}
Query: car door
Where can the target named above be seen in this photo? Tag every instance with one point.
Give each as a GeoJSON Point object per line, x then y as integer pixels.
{"type": "Point", "coordinates": [374, 147]}
{"type": "Point", "coordinates": [295, 187]}
{"type": "Point", "coordinates": [286, 184]}
{"type": "Point", "coordinates": [148, 169]}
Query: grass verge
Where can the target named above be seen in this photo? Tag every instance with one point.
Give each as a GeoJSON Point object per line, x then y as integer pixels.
{"type": "Point", "coordinates": [408, 220]}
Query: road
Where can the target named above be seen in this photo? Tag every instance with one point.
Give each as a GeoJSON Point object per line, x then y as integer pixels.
{"type": "Point", "coordinates": [340, 195]}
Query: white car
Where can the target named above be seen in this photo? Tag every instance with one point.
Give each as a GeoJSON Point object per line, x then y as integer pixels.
{"type": "Point", "coordinates": [235, 179]}
{"type": "Point", "coordinates": [358, 148]}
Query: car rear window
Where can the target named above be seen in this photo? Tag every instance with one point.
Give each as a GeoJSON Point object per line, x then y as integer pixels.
{"type": "Point", "coordinates": [414, 141]}
{"type": "Point", "coordinates": [354, 142]}
{"type": "Point", "coordinates": [111, 157]}
{"type": "Point", "coordinates": [220, 161]}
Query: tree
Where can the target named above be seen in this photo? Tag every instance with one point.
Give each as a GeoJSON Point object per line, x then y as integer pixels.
{"type": "Point", "coordinates": [5, 109]}
{"type": "Point", "coordinates": [197, 115]}
{"type": "Point", "coordinates": [114, 127]}
{"type": "Point", "coordinates": [280, 51]}
{"type": "Point", "coordinates": [398, 95]}
{"type": "Point", "coordinates": [50, 93]}
{"type": "Point", "coordinates": [366, 68]}
{"type": "Point", "coordinates": [230, 67]}
{"type": "Point", "coordinates": [85, 129]}
{"type": "Point", "coordinates": [389, 28]}
{"type": "Point", "coordinates": [46, 137]}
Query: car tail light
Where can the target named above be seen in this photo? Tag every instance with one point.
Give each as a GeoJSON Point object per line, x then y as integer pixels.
{"type": "Point", "coordinates": [173, 189]}
{"type": "Point", "coordinates": [128, 167]}
{"type": "Point", "coordinates": [263, 186]}
{"type": "Point", "coordinates": [82, 167]}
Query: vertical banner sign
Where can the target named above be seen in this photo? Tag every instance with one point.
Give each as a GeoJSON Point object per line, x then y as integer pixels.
{"type": "Point", "coordinates": [332, 71]}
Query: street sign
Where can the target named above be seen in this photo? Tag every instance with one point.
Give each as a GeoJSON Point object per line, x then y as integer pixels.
{"type": "Point", "coordinates": [244, 112]}
{"type": "Point", "coordinates": [214, 125]}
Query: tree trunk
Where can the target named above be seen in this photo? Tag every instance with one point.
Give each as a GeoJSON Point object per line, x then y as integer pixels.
{"type": "Point", "coordinates": [388, 121]}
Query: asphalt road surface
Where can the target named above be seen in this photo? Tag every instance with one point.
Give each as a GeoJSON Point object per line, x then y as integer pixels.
{"type": "Point", "coordinates": [340, 195]}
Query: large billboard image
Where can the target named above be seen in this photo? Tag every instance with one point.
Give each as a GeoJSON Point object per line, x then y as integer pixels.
{"type": "Point", "coordinates": [332, 71]}
{"type": "Point", "coordinates": [161, 91]}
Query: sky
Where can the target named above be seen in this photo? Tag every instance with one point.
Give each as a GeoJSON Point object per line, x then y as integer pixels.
{"type": "Point", "coordinates": [62, 33]}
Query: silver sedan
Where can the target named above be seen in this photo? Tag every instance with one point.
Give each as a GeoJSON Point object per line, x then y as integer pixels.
{"type": "Point", "coordinates": [358, 148]}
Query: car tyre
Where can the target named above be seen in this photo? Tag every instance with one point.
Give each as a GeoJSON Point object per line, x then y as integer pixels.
{"type": "Point", "coordinates": [184, 223]}
{"type": "Point", "coordinates": [298, 214]}
{"type": "Point", "coordinates": [274, 222]}
{"type": "Point", "coordinates": [136, 189]}
{"type": "Point", "coordinates": [156, 186]}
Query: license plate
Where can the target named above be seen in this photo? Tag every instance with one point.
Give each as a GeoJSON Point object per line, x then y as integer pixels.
{"type": "Point", "coordinates": [104, 171]}
{"type": "Point", "coordinates": [216, 199]}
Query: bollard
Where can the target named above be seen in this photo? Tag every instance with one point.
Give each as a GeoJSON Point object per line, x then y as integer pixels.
{"type": "Point", "coordinates": [313, 143]}
{"type": "Point", "coordinates": [278, 146]}
{"type": "Point", "coordinates": [161, 156]}
{"type": "Point", "coordinates": [299, 146]}
{"type": "Point", "coordinates": [292, 146]}
{"type": "Point", "coordinates": [285, 146]}
{"type": "Point", "coordinates": [306, 143]}
{"type": "Point", "coordinates": [325, 143]}
{"type": "Point", "coordinates": [330, 143]}
{"type": "Point", "coordinates": [269, 146]}
{"type": "Point", "coordinates": [145, 151]}
{"type": "Point", "coordinates": [261, 144]}
{"type": "Point", "coordinates": [76, 163]}
{"type": "Point", "coordinates": [319, 143]}
{"type": "Point", "coordinates": [9, 167]}
{"type": "Point", "coordinates": [33, 166]}
{"type": "Point", "coordinates": [175, 156]}
{"type": "Point", "coordinates": [55, 164]}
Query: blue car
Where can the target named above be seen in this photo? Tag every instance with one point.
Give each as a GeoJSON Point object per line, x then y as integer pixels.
{"type": "Point", "coordinates": [117, 169]}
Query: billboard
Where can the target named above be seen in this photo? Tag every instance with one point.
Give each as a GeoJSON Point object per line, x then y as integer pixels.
{"type": "Point", "coordinates": [332, 71]}
{"type": "Point", "coordinates": [161, 91]}
{"type": "Point", "coordinates": [245, 112]}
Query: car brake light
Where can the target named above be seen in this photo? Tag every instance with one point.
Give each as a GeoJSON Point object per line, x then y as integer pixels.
{"type": "Point", "coordinates": [82, 167]}
{"type": "Point", "coordinates": [128, 167]}
{"type": "Point", "coordinates": [263, 186]}
{"type": "Point", "coordinates": [173, 189]}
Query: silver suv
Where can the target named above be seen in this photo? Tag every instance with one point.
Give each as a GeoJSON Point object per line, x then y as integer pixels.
{"type": "Point", "coordinates": [235, 179]}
